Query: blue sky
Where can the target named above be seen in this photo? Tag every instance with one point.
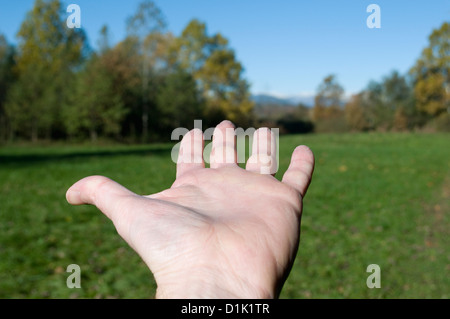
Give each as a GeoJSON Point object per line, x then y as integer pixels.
{"type": "Point", "coordinates": [286, 47]}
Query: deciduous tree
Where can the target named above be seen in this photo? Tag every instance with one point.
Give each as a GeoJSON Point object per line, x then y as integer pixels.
{"type": "Point", "coordinates": [7, 78]}
{"type": "Point", "coordinates": [217, 72]}
{"type": "Point", "coordinates": [355, 115]}
{"type": "Point", "coordinates": [432, 74]}
{"type": "Point", "coordinates": [48, 54]}
{"type": "Point", "coordinates": [179, 101]}
{"type": "Point", "coordinates": [327, 113]}
{"type": "Point", "coordinates": [146, 26]}
{"type": "Point", "coordinates": [94, 107]}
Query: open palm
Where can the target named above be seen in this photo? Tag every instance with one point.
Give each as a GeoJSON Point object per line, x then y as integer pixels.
{"type": "Point", "coordinates": [219, 232]}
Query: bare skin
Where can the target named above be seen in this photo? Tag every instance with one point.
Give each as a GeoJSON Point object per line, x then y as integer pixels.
{"type": "Point", "coordinates": [219, 232]}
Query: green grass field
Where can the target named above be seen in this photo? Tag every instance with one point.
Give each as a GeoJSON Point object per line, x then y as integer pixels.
{"type": "Point", "coordinates": [375, 199]}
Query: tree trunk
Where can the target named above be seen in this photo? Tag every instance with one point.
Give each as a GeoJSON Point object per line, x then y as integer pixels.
{"type": "Point", "coordinates": [145, 80]}
{"type": "Point", "coordinates": [94, 135]}
{"type": "Point", "coordinates": [34, 131]}
{"type": "Point", "coordinates": [145, 123]}
{"type": "Point", "coordinates": [3, 129]}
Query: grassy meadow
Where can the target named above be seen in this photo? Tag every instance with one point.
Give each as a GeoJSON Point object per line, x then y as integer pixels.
{"type": "Point", "coordinates": [379, 198]}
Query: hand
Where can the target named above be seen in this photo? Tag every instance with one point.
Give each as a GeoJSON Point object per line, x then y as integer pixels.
{"type": "Point", "coordinates": [219, 232]}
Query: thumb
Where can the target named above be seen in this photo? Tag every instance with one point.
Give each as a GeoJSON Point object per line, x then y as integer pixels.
{"type": "Point", "coordinates": [101, 192]}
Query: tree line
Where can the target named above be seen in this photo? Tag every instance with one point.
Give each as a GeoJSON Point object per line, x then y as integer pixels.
{"type": "Point", "coordinates": [54, 85]}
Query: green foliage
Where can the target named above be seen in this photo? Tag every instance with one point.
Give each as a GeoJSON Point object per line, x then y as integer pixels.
{"type": "Point", "coordinates": [6, 67]}
{"type": "Point", "coordinates": [179, 101]}
{"type": "Point", "coordinates": [48, 53]}
{"type": "Point", "coordinates": [119, 91]}
{"type": "Point", "coordinates": [219, 75]}
{"type": "Point", "coordinates": [151, 73]}
{"type": "Point", "coordinates": [327, 113]}
{"type": "Point", "coordinates": [7, 78]}
{"type": "Point", "coordinates": [122, 64]}
{"type": "Point", "coordinates": [194, 46]}
{"type": "Point", "coordinates": [397, 102]}
{"type": "Point", "coordinates": [147, 19]}
{"type": "Point", "coordinates": [432, 74]}
{"type": "Point", "coordinates": [383, 101]}
{"type": "Point", "coordinates": [146, 26]}
{"type": "Point", "coordinates": [329, 93]}
{"type": "Point", "coordinates": [93, 106]}
{"type": "Point", "coordinates": [292, 125]}
{"type": "Point", "coordinates": [355, 116]}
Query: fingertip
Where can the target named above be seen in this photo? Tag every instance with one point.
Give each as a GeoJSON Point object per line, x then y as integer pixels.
{"type": "Point", "coordinates": [264, 130]}
{"type": "Point", "coordinates": [223, 151]}
{"type": "Point", "coordinates": [303, 153]}
{"type": "Point", "coordinates": [73, 197]}
{"type": "Point", "coordinates": [82, 191]}
{"type": "Point", "coordinates": [190, 154]}
{"type": "Point", "coordinates": [196, 132]}
{"type": "Point", "coordinates": [300, 170]}
{"type": "Point", "coordinates": [107, 195]}
{"type": "Point", "coordinates": [304, 149]}
{"type": "Point", "coordinates": [74, 193]}
{"type": "Point", "coordinates": [226, 123]}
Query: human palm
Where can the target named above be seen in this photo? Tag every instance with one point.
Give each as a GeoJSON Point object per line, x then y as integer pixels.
{"type": "Point", "coordinates": [219, 232]}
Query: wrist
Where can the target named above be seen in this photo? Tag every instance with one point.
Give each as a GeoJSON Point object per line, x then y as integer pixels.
{"type": "Point", "coordinates": [190, 287]}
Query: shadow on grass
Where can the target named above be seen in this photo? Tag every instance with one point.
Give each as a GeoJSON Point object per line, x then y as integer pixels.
{"type": "Point", "coordinates": [57, 155]}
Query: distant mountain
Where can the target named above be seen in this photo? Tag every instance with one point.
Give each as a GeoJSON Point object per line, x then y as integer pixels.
{"type": "Point", "coordinates": [267, 99]}
{"type": "Point", "coordinates": [270, 99]}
